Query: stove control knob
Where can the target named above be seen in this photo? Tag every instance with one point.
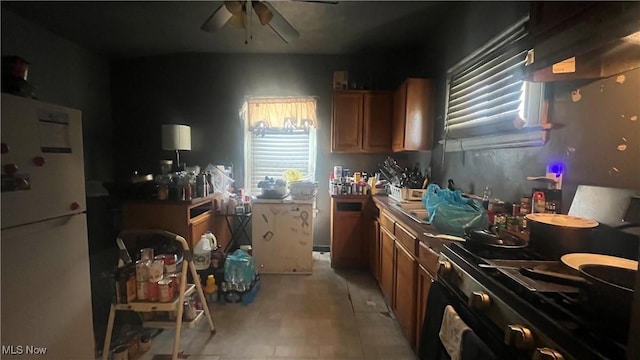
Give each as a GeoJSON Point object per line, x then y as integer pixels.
{"type": "Point", "coordinates": [519, 337]}
{"type": "Point", "coordinates": [444, 267]}
{"type": "Point", "coordinates": [546, 354]}
{"type": "Point", "coordinates": [479, 300]}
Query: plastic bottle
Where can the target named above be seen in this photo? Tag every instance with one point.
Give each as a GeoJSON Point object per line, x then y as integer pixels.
{"type": "Point", "coordinates": [202, 253]}
{"type": "Point", "coordinates": [485, 197]}
{"type": "Point", "coordinates": [211, 290]}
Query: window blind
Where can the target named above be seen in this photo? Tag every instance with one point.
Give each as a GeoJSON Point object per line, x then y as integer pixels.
{"type": "Point", "coordinates": [486, 91]}
{"type": "Point", "coordinates": [276, 151]}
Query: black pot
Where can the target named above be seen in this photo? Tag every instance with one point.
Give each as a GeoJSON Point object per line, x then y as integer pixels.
{"type": "Point", "coordinates": [553, 235]}
{"type": "Point", "coordinates": [609, 295]}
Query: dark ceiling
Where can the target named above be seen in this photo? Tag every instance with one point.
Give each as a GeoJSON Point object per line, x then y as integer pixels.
{"type": "Point", "coordinates": [133, 29]}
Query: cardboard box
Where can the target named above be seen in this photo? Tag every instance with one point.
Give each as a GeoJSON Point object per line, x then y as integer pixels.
{"type": "Point", "coordinates": [340, 80]}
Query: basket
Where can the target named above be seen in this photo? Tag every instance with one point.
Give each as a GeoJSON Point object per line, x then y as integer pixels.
{"type": "Point", "coordinates": [405, 194]}
{"type": "Point", "coordinates": [303, 190]}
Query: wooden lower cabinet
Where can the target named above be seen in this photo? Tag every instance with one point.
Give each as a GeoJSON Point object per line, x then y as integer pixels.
{"type": "Point", "coordinates": [405, 291]}
{"type": "Point", "coordinates": [424, 285]}
{"type": "Point", "coordinates": [347, 225]}
{"type": "Point", "coordinates": [374, 249]}
{"type": "Point", "coordinates": [387, 265]}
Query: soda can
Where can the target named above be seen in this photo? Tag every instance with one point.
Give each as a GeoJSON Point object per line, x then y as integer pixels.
{"type": "Point", "coordinates": [152, 291]}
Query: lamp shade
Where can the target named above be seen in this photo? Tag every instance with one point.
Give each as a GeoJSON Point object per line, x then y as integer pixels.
{"type": "Point", "coordinates": [176, 137]}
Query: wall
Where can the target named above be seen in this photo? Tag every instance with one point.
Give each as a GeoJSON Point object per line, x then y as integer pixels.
{"type": "Point", "coordinates": [206, 91]}
{"type": "Point", "coordinates": [586, 138]}
{"type": "Point", "coordinates": [66, 74]}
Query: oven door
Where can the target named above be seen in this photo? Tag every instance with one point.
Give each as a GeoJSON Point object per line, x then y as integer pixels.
{"type": "Point", "coordinates": [486, 341]}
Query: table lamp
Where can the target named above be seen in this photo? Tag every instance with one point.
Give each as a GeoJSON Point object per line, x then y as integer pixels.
{"type": "Point", "coordinates": [176, 137]}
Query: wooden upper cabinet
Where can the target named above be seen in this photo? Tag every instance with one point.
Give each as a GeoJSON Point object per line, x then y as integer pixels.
{"type": "Point", "coordinates": [378, 110]}
{"type": "Point", "coordinates": [346, 122]}
{"type": "Point", "coordinates": [361, 121]}
{"type": "Point", "coordinates": [413, 113]}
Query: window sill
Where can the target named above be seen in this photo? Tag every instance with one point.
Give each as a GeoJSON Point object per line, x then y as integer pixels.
{"type": "Point", "coordinates": [520, 139]}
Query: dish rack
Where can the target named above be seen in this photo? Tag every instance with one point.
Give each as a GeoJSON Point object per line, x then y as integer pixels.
{"type": "Point", "coordinates": [405, 194]}
{"type": "Point", "coordinates": [303, 190]}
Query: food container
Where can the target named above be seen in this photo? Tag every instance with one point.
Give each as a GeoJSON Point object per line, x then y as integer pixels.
{"type": "Point", "coordinates": [152, 291]}
{"type": "Point", "coordinates": [146, 254]}
{"type": "Point", "coordinates": [165, 289]}
{"type": "Point", "coordinates": [142, 290]}
{"type": "Point", "coordinates": [156, 270]}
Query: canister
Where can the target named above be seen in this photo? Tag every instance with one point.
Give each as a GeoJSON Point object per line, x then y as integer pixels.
{"type": "Point", "coordinates": [152, 291]}
{"type": "Point", "coordinates": [142, 270]}
{"type": "Point", "coordinates": [156, 270]}
{"type": "Point", "coordinates": [165, 290]}
{"type": "Point", "coordinates": [146, 254]}
{"type": "Point", "coordinates": [337, 172]}
{"type": "Point", "coordinates": [142, 290]}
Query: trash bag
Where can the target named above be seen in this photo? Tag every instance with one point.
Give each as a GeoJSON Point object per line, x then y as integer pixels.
{"type": "Point", "coordinates": [239, 267]}
{"type": "Point", "coordinates": [451, 213]}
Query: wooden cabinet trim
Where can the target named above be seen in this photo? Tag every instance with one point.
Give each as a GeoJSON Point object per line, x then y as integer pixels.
{"type": "Point", "coordinates": [406, 238]}
{"type": "Point", "coordinates": [428, 257]}
{"type": "Point", "coordinates": [387, 222]}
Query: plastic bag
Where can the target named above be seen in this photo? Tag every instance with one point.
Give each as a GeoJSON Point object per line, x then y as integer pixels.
{"type": "Point", "coordinates": [239, 267]}
{"type": "Point", "coordinates": [451, 213]}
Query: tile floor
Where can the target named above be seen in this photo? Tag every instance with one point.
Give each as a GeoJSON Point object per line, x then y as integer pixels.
{"type": "Point", "coordinates": [326, 315]}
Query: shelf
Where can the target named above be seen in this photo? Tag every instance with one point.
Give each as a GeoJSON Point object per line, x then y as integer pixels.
{"type": "Point", "coordinates": [172, 324]}
{"type": "Point", "coordinates": [146, 306]}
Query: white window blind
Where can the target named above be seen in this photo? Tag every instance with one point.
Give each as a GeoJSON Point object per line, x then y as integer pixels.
{"type": "Point", "coordinates": [489, 103]}
{"type": "Point", "coordinates": [276, 151]}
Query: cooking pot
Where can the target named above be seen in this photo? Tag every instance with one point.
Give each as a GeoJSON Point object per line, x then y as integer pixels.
{"type": "Point", "coordinates": [605, 289]}
{"type": "Point", "coordinates": [553, 235]}
{"type": "Point", "coordinates": [610, 293]}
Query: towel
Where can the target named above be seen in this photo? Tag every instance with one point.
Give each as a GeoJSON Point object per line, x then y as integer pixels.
{"type": "Point", "coordinates": [451, 331]}
{"type": "Point", "coordinates": [430, 346]}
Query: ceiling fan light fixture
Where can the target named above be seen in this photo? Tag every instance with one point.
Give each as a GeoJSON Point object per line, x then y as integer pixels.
{"type": "Point", "coordinates": [264, 14]}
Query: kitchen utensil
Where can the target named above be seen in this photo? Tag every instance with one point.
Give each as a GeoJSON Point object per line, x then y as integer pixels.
{"type": "Point", "coordinates": [553, 235]}
{"type": "Point", "coordinates": [444, 237]}
{"type": "Point", "coordinates": [539, 274]}
{"type": "Point", "coordinates": [575, 260]}
{"type": "Point", "coordinates": [483, 237]}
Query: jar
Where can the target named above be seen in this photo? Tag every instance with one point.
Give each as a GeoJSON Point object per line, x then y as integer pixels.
{"type": "Point", "coordinates": [144, 344]}
{"type": "Point", "coordinates": [163, 192]}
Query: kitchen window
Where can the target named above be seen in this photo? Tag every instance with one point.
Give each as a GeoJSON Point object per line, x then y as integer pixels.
{"type": "Point", "coordinates": [280, 135]}
{"type": "Point", "coordinates": [489, 102]}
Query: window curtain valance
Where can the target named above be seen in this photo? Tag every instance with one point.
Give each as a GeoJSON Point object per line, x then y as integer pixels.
{"type": "Point", "coordinates": [280, 113]}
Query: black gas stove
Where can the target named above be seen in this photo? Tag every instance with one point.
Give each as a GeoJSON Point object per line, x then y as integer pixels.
{"type": "Point", "coordinates": [537, 319]}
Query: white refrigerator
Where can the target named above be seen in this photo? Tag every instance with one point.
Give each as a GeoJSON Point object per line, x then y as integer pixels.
{"type": "Point", "coordinates": [45, 282]}
{"type": "Point", "coordinates": [282, 236]}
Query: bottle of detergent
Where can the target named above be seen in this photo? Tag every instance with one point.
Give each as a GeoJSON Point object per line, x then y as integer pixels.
{"type": "Point", "coordinates": [211, 290]}
{"type": "Point", "coordinates": [202, 253]}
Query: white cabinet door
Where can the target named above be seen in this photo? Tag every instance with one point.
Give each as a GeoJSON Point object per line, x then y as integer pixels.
{"type": "Point", "coordinates": [283, 238]}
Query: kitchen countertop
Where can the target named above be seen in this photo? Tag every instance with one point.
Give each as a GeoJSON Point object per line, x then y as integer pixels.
{"type": "Point", "coordinates": [419, 229]}
{"type": "Point", "coordinates": [286, 200]}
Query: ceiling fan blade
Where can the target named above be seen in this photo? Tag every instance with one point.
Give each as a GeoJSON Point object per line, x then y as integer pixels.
{"type": "Point", "coordinates": [222, 15]}
{"type": "Point", "coordinates": [264, 14]}
{"type": "Point", "coordinates": [281, 26]}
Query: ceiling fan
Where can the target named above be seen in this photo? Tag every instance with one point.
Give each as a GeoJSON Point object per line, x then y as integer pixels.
{"type": "Point", "coordinates": [236, 14]}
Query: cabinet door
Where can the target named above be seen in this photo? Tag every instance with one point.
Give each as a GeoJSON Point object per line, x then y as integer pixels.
{"type": "Point", "coordinates": [374, 249]}
{"type": "Point", "coordinates": [346, 235]}
{"type": "Point", "coordinates": [399, 111]}
{"type": "Point", "coordinates": [346, 122]}
{"type": "Point", "coordinates": [424, 285]}
{"type": "Point", "coordinates": [413, 116]}
{"type": "Point", "coordinates": [405, 291]}
{"type": "Point", "coordinates": [377, 118]}
{"type": "Point", "coordinates": [418, 128]}
{"type": "Point", "coordinates": [387, 273]}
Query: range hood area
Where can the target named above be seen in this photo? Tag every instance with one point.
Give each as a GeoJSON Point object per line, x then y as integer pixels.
{"type": "Point", "coordinates": [582, 40]}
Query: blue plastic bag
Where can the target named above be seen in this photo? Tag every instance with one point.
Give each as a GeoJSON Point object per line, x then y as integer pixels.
{"type": "Point", "coordinates": [451, 213]}
{"type": "Point", "coordinates": [239, 267]}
